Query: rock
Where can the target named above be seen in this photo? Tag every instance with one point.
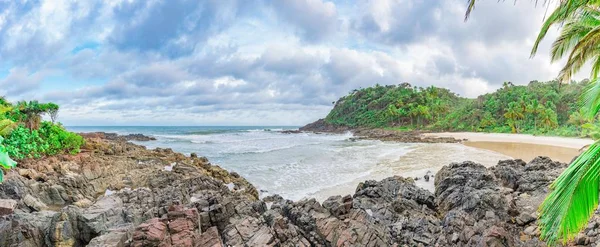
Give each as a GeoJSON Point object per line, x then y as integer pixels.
{"type": "Point", "coordinates": [210, 238]}
{"type": "Point", "coordinates": [34, 203]}
{"type": "Point", "coordinates": [338, 206]}
{"type": "Point", "coordinates": [117, 137]}
{"type": "Point", "coordinates": [525, 218]}
{"type": "Point", "coordinates": [321, 126]}
{"type": "Point", "coordinates": [25, 229]}
{"type": "Point", "coordinates": [112, 239]}
{"type": "Point", "coordinates": [179, 227]}
{"type": "Point", "coordinates": [151, 233]}
{"type": "Point", "coordinates": [469, 187]}
{"type": "Point", "coordinates": [291, 132]}
{"type": "Point", "coordinates": [200, 204]}
{"type": "Point", "coordinates": [83, 203]}
{"type": "Point", "coordinates": [530, 230]}
{"type": "Point", "coordinates": [7, 206]}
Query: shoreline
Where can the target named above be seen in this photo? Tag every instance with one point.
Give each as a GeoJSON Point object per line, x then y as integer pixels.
{"type": "Point", "coordinates": [566, 142]}
{"type": "Point", "coordinates": [521, 146]}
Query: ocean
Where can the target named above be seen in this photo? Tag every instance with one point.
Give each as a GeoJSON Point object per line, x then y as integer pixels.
{"type": "Point", "coordinates": [297, 166]}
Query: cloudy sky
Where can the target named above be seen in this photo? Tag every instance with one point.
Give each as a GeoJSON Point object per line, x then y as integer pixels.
{"type": "Point", "coordinates": [263, 62]}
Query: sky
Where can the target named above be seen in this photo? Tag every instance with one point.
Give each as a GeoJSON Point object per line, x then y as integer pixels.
{"type": "Point", "coordinates": [262, 62]}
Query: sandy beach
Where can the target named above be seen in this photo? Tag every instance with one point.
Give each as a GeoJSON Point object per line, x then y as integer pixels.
{"type": "Point", "coordinates": [522, 146]}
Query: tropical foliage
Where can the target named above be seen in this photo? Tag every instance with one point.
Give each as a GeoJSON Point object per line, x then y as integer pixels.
{"type": "Point", "coordinates": [23, 133]}
{"type": "Point", "coordinates": [538, 108]}
{"type": "Point", "coordinates": [574, 195]}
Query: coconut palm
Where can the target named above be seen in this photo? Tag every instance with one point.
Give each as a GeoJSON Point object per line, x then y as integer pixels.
{"type": "Point", "coordinates": [535, 108]}
{"type": "Point", "coordinates": [514, 113]}
{"type": "Point", "coordinates": [574, 196]}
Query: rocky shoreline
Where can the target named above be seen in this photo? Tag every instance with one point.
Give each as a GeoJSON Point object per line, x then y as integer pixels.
{"type": "Point", "coordinates": [320, 126]}
{"type": "Point", "coordinates": [121, 194]}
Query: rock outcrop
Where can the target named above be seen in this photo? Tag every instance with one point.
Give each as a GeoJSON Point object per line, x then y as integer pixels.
{"type": "Point", "coordinates": [120, 194]}
{"type": "Point", "coordinates": [117, 137]}
{"type": "Point", "coordinates": [321, 126]}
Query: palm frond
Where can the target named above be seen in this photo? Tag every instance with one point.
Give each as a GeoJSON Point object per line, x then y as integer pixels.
{"type": "Point", "coordinates": [7, 126]}
{"type": "Point", "coordinates": [590, 98]}
{"type": "Point", "coordinates": [573, 31]}
{"type": "Point", "coordinates": [470, 7]}
{"type": "Point", "coordinates": [573, 199]}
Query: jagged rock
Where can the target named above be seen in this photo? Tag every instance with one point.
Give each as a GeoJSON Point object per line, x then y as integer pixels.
{"type": "Point", "coordinates": [338, 206]}
{"type": "Point", "coordinates": [151, 233]}
{"type": "Point", "coordinates": [179, 227]}
{"type": "Point", "coordinates": [7, 206]}
{"type": "Point", "coordinates": [34, 203]}
{"type": "Point", "coordinates": [25, 229]}
{"type": "Point", "coordinates": [119, 194]}
{"type": "Point", "coordinates": [112, 239]}
{"type": "Point", "coordinates": [210, 238]}
{"type": "Point", "coordinates": [321, 126]}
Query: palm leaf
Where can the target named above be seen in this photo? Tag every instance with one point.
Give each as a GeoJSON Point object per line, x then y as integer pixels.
{"type": "Point", "coordinates": [5, 161]}
{"type": "Point", "coordinates": [590, 98]}
{"type": "Point", "coordinates": [7, 126]}
{"type": "Point", "coordinates": [573, 199]}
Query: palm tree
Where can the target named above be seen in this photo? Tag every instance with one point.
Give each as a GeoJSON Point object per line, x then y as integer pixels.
{"type": "Point", "coordinates": [513, 115]}
{"type": "Point", "coordinates": [535, 108]}
{"type": "Point", "coordinates": [574, 196]}
{"type": "Point", "coordinates": [578, 118]}
{"type": "Point", "coordinates": [6, 125]}
{"type": "Point", "coordinates": [548, 118]}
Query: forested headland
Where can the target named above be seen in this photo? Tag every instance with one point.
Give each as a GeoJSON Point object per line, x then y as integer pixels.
{"type": "Point", "coordinates": [543, 108]}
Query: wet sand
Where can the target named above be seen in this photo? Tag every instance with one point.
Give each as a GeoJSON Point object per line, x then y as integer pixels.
{"type": "Point", "coordinates": [483, 148]}
{"type": "Point", "coordinates": [522, 146]}
{"type": "Point", "coordinates": [527, 151]}
{"type": "Point", "coordinates": [567, 142]}
{"type": "Point", "coordinates": [422, 159]}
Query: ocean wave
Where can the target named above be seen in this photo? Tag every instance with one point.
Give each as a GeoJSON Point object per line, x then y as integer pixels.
{"type": "Point", "coordinates": [202, 142]}
{"type": "Point", "coordinates": [315, 190]}
{"type": "Point", "coordinates": [268, 150]}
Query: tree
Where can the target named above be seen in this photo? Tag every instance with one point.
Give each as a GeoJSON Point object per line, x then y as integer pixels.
{"type": "Point", "coordinates": [535, 108]}
{"type": "Point", "coordinates": [6, 125]}
{"type": "Point", "coordinates": [574, 196]}
{"type": "Point", "coordinates": [548, 118]}
{"type": "Point", "coordinates": [30, 113]}
{"type": "Point", "coordinates": [52, 110]}
{"type": "Point", "coordinates": [578, 118]}
{"type": "Point", "coordinates": [514, 114]}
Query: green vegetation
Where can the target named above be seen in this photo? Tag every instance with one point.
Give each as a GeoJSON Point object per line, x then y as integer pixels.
{"type": "Point", "coordinates": [24, 135]}
{"type": "Point", "coordinates": [574, 196]}
{"type": "Point", "coordinates": [538, 108]}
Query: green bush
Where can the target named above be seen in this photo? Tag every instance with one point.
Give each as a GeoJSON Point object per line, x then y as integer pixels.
{"type": "Point", "coordinates": [60, 140]}
{"type": "Point", "coordinates": [25, 143]}
{"type": "Point", "coordinates": [50, 139]}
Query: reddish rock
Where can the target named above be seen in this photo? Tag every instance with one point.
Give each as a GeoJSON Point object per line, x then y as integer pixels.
{"type": "Point", "coordinates": [211, 238]}
{"type": "Point", "coordinates": [179, 228]}
{"type": "Point", "coordinates": [7, 206]}
{"type": "Point", "coordinates": [151, 233]}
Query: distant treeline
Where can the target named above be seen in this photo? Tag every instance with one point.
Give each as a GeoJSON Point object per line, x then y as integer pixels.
{"type": "Point", "coordinates": [537, 108]}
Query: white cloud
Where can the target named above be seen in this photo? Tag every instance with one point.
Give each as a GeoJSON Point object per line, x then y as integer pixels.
{"type": "Point", "coordinates": [255, 62]}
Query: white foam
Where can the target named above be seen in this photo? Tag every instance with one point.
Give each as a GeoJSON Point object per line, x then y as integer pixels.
{"type": "Point", "coordinates": [170, 167]}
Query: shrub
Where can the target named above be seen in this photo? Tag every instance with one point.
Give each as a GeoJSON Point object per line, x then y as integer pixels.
{"type": "Point", "coordinates": [25, 143]}
{"type": "Point", "coordinates": [60, 140]}
{"type": "Point", "coordinates": [50, 139]}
